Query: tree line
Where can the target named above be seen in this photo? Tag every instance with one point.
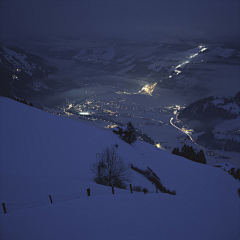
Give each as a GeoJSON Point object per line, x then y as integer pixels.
{"type": "Point", "coordinates": [21, 101]}
{"type": "Point", "coordinates": [189, 153]}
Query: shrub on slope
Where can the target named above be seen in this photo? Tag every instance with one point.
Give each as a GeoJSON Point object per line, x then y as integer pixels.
{"type": "Point", "coordinates": [152, 177]}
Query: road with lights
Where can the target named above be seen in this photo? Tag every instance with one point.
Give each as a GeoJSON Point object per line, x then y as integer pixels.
{"type": "Point", "coordinates": [171, 122]}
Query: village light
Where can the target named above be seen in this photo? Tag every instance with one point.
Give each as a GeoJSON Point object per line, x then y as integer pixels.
{"type": "Point", "coordinates": [158, 145]}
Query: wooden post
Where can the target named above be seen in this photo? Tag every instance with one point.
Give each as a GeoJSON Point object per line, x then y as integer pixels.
{"type": "Point", "coordinates": [88, 192]}
{"type": "Point", "coordinates": [50, 199]}
{"type": "Point", "coordinates": [4, 208]}
{"type": "Point", "coordinates": [131, 188]}
{"type": "Point", "coordinates": [112, 189]}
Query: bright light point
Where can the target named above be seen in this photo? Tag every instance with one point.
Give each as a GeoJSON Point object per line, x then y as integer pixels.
{"type": "Point", "coordinates": [180, 65]}
{"type": "Point", "coordinates": [84, 113]}
{"type": "Point", "coordinates": [110, 126]}
{"type": "Point", "coordinates": [204, 49]}
{"type": "Point", "coordinates": [158, 145]}
{"type": "Point", "coordinates": [194, 55]}
{"type": "Point", "coordinates": [170, 76]}
{"type": "Point", "coordinates": [148, 89]}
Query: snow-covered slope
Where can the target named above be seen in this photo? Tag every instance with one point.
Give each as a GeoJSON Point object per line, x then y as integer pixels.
{"type": "Point", "coordinates": [219, 118]}
{"type": "Point", "coordinates": [44, 154]}
{"type": "Point", "coordinates": [211, 108]}
{"type": "Point", "coordinates": [25, 75]}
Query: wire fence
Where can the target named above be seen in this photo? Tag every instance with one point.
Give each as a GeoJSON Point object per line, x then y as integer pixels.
{"type": "Point", "coordinates": [7, 207]}
{"type": "Point", "coordinates": [41, 202]}
{"type": "Point", "coordinates": [69, 197]}
{"type": "Point", "coordinates": [101, 192]}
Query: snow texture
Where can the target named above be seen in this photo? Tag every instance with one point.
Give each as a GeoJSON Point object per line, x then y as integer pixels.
{"type": "Point", "coordinates": [44, 154]}
{"type": "Point", "coordinates": [125, 70]}
{"type": "Point", "coordinates": [223, 52]}
{"type": "Point", "coordinates": [18, 60]}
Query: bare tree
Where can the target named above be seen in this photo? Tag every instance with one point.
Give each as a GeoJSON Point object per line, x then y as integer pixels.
{"type": "Point", "coordinates": [110, 169]}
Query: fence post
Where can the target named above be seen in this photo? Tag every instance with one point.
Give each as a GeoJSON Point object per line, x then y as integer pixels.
{"type": "Point", "coordinates": [50, 198]}
{"type": "Point", "coordinates": [88, 191]}
{"type": "Point", "coordinates": [112, 189]}
{"type": "Point", "coordinates": [131, 188]}
{"type": "Point", "coordinates": [4, 208]}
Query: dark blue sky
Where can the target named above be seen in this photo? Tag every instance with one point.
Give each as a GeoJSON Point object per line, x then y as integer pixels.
{"type": "Point", "coordinates": [133, 20]}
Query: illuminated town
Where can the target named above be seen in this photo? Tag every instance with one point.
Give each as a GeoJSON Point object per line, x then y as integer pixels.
{"type": "Point", "coordinates": [148, 89]}
{"type": "Point", "coordinates": [120, 109]}
{"type": "Point", "coordinates": [101, 110]}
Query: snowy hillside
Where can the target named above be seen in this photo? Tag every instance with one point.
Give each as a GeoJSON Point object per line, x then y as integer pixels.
{"type": "Point", "coordinates": [218, 118]}
{"type": "Point", "coordinates": [44, 154]}
{"type": "Point", "coordinates": [151, 56]}
{"type": "Point", "coordinates": [210, 109]}
{"type": "Point", "coordinates": [25, 75]}
{"type": "Point", "coordinates": [21, 62]}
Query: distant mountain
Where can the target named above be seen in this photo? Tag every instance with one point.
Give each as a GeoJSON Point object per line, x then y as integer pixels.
{"type": "Point", "coordinates": [25, 75]}
{"type": "Point", "coordinates": [219, 118]}
{"type": "Point", "coordinates": [212, 110]}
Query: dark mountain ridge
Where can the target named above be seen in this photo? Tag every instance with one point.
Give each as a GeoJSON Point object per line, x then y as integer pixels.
{"type": "Point", "coordinates": [211, 111]}
{"type": "Point", "coordinates": [27, 76]}
{"type": "Point", "coordinates": [209, 114]}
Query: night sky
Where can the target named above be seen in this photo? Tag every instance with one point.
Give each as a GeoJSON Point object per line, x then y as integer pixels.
{"type": "Point", "coordinates": [130, 20]}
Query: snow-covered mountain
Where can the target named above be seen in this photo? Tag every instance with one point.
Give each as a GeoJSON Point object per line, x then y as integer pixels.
{"type": "Point", "coordinates": [149, 60]}
{"type": "Point", "coordinates": [44, 154]}
{"type": "Point", "coordinates": [153, 62]}
{"type": "Point", "coordinates": [219, 118]}
{"type": "Point", "coordinates": [25, 75]}
{"type": "Point", "coordinates": [192, 69]}
{"type": "Point", "coordinates": [210, 109]}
